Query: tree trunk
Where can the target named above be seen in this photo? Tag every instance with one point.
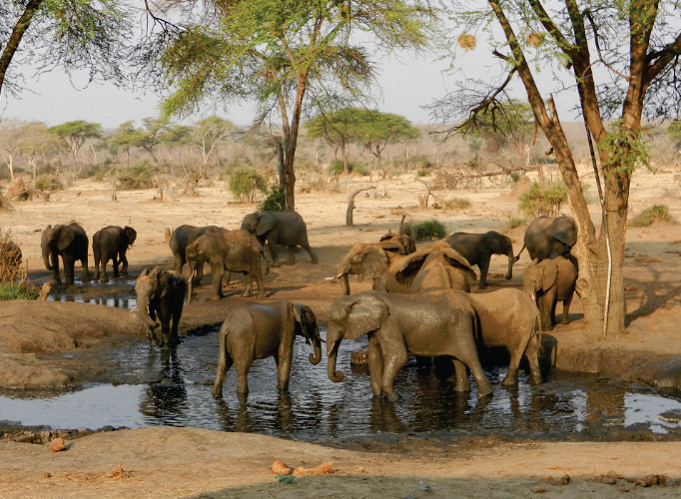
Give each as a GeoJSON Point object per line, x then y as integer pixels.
{"type": "Point", "coordinates": [351, 204]}
{"type": "Point", "coordinates": [14, 40]}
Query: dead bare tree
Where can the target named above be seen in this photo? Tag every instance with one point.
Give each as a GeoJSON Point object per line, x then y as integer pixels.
{"type": "Point", "coordinates": [351, 204]}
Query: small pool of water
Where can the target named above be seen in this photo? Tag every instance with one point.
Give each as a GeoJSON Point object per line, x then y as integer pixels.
{"type": "Point", "coordinates": [175, 390]}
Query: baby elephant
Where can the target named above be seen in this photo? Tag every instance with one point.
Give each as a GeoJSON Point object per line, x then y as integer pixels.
{"type": "Point", "coordinates": [261, 330]}
{"type": "Point", "coordinates": [161, 293]}
{"type": "Point", "coordinates": [508, 318]}
{"type": "Point", "coordinates": [551, 281]}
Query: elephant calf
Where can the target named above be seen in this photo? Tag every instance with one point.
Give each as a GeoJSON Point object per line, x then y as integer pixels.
{"type": "Point", "coordinates": [549, 282]}
{"type": "Point", "coordinates": [508, 318]}
{"type": "Point", "coordinates": [479, 248]}
{"type": "Point", "coordinates": [161, 293]}
{"type": "Point", "coordinates": [260, 330]}
{"type": "Point", "coordinates": [111, 243]}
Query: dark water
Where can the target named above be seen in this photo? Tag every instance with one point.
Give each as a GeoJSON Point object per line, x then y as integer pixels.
{"type": "Point", "coordinates": [174, 390]}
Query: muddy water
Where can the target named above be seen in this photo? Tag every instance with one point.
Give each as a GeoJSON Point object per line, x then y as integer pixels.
{"type": "Point", "coordinates": [164, 388]}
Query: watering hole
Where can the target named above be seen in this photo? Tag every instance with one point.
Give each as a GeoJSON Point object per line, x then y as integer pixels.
{"type": "Point", "coordinates": [164, 388]}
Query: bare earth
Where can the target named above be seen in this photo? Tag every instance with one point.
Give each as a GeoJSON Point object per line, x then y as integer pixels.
{"type": "Point", "coordinates": [177, 462]}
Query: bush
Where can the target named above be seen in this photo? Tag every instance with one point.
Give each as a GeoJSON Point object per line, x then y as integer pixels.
{"type": "Point", "coordinates": [139, 176]}
{"type": "Point", "coordinates": [18, 291]}
{"type": "Point", "coordinates": [10, 259]}
{"type": "Point", "coordinates": [654, 214]}
{"type": "Point", "coordinates": [275, 200]}
{"type": "Point", "coordinates": [336, 168]}
{"type": "Point", "coordinates": [245, 183]}
{"type": "Point", "coordinates": [48, 183]}
{"type": "Point", "coordinates": [538, 201]}
{"type": "Point", "coordinates": [455, 204]}
{"type": "Point", "coordinates": [425, 231]}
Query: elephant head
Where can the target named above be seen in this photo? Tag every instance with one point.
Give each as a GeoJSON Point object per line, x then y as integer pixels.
{"type": "Point", "coordinates": [259, 224]}
{"type": "Point", "coordinates": [131, 235]}
{"type": "Point", "coordinates": [197, 255]}
{"type": "Point", "coordinates": [54, 239]}
{"type": "Point", "coordinates": [365, 261]}
{"type": "Point", "coordinates": [540, 277]}
{"type": "Point", "coordinates": [149, 288]}
{"type": "Point", "coordinates": [306, 326]}
{"type": "Point", "coordinates": [351, 317]}
{"type": "Point", "coordinates": [402, 244]}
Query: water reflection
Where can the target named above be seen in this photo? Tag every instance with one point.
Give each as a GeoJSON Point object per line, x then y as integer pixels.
{"type": "Point", "coordinates": [173, 387]}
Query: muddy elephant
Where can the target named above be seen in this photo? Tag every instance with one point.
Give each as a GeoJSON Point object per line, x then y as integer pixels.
{"type": "Point", "coordinates": [434, 323]}
{"type": "Point", "coordinates": [182, 237]}
{"type": "Point", "coordinates": [548, 237]}
{"type": "Point", "coordinates": [509, 318]}
{"type": "Point", "coordinates": [479, 248]}
{"type": "Point", "coordinates": [111, 243]}
{"type": "Point", "coordinates": [551, 281]}
{"type": "Point", "coordinates": [160, 293]}
{"type": "Point", "coordinates": [227, 251]}
{"type": "Point", "coordinates": [372, 260]}
{"type": "Point", "coordinates": [70, 242]}
{"type": "Point", "coordinates": [260, 330]}
{"type": "Point", "coordinates": [285, 228]}
{"type": "Point", "coordinates": [434, 266]}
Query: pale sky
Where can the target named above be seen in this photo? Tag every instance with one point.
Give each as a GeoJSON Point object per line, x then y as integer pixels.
{"type": "Point", "coordinates": [406, 84]}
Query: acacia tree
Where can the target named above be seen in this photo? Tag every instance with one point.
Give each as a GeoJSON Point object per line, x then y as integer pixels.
{"type": "Point", "coordinates": [375, 130]}
{"type": "Point", "coordinates": [337, 129]}
{"type": "Point", "coordinates": [12, 137]}
{"type": "Point", "coordinates": [74, 134]}
{"type": "Point", "coordinates": [38, 141]}
{"type": "Point", "coordinates": [282, 53]}
{"type": "Point", "coordinates": [207, 135]}
{"type": "Point", "coordinates": [623, 57]}
{"type": "Point", "coordinates": [70, 34]}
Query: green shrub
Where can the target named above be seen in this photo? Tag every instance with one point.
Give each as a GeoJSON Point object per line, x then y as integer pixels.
{"type": "Point", "coordinates": [515, 177]}
{"type": "Point", "coordinates": [245, 183]}
{"type": "Point", "coordinates": [139, 176]}
{"type": "Point", "coordinates": [425, 231]}
{"type": "Point", "coordinates": [456, 204]}
{"type": "Point", "coordinates": [48, 183]}
{"type": "Point", "coordinates": [654, 214]}
{"type": "Point", "coordinates": [539, 201]}
{"type": "Point", "coordinates": [422, 173]}
{"type": "Point", "coordinates": [275, 200]}
{"type": "Point", "coordinates": [514, 222]}
{"type": "Point", "coordinates": [336, 168]}
{"type": "Point", "coordinates": [18, 291]}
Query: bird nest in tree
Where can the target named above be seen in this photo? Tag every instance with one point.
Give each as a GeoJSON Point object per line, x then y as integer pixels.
{"type": "Point", "coordinates": [535, 39]}
{"type": "Point", "coordinates": [466, 41]}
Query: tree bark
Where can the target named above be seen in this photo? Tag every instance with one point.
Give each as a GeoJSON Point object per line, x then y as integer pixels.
{"type": "Point", "coordinates": [14, 40]}
{"type": "Point", "coordinates": [351, 204]}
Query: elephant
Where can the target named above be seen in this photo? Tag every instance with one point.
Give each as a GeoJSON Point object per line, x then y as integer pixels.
{"type": "Point", "coordinates": [549, 282]}
{"type": "Point", "coordinates": [285, 228]}
{"type": "Point", "coordinates": [479, 248]}
{"type": "Point", "coordinates": [509, 318]}
{"type": "Point", "coordinates": [231, 251]}
{"type": "Point", "coordinates": [548, 237]}
{"type": "Point", "coordinates": [260, 330]}
{"type": "Point", "coordinates": [435, 266]}
{"type": "Point", "coordinates": [161, 293]}
{"type": "Point", "coordinates": [69, 241]}
{"type": "Point", "coordinates": [111, 243]}
{"type": "Point", "coordinates": [372, 260]}
{"type": "Point", "coordinates": [434, 323]}
{"type": "Point", "coordinates": [182, 237]}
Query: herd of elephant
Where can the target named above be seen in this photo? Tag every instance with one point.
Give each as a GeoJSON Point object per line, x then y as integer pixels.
{"type": "Point", "coordinates": [420, 303]}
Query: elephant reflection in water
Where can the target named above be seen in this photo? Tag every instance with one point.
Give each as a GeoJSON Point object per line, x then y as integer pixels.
{"type": "Point", "coordinates": [242, 421]}
{"type": "Point", "coordinates": [166, 398]}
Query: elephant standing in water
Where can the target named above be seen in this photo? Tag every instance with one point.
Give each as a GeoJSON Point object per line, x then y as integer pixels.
{"type": "Point", "coordinates": [70, 242]}
{"type": "Point", "coordinates": [161, 293]}
{"type": "Point", "coordinates": [260, 330]}
{"type": "Point", "coordinates": [111, 243]}
{"type": "Point", "coordinates": [479, 248]}
{"type": "Point", "coordinates": [433, 323]}
{"type": "Point", "coordinates": [285, 228]}
{"type": "Point", "coordinates": [547, 238]}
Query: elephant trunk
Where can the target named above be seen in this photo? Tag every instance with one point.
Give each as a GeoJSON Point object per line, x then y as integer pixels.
{"type": "Point", "coordinates": [332, 345]}
{"type": "Point", "coordinates": [143, 306]}
{"type": "Point", "coordinates": [46, 258]}
{"type": "Point", "coordinates": [344, 282]}
{"type": "Point", "coordinates": [511, 261]}
{"type": "Point", "coordinates": [190, 285]}
{"type": "Point", "coordinates": [316, 357]}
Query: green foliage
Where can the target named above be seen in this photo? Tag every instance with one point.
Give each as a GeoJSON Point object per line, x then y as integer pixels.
{"type": "Point", "coordinates": [425, 231]}
{"type": "Point", "coordinates": [674, 132]}
{"type": "Point", "coordinates": [422, 173]}
{"type": "Point", "coordinates": [18, 291]}
{"type": "Point", "coordinates": [285, 479]}
{"type": "Point", "coordinates": [48, 183]}
{"type": "Point", "coordinates": [626, 150]}
{"type": "Point", "coordinates": [336, 168]}
{"type": "Point", "coordinates": [77, 131]}
{"type": "Point", "coordinates": [139, 176]}
{"type": "Point", "coordinates": [539, 201]}
{"type": "Point", "coordinates": [275, 200]}
{"type": "Point", "coordinates": [658, 213]}
{"type": "Point", "coordinates": [245, 184]}
{"type": "Point", "coordinates": [515, 177]}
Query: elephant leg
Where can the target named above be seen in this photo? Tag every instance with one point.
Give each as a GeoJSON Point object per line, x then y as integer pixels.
{"type": "Point", "coordinates": [224, 363]}
{"type": "Point", "coordinates": [473, 363]}
{"type": "Point", "coordinates": [242, 367]}
{"type": "Point", "coordinates": [391, 365]}
{"type": "Point", "coordinates": [69, 264]}
{"type": "Point", "coordinates": [375, 362]}
{"type": "Point", "coordinates": [262, 292]}
{"type": "Point", "coordinates": [124, 262]}
{"type": "Point", "coordinates": [198, 274]}
{"type": "Point", "coordinates": [291, 255]}
{"type": "Point", "coordinates": [484, 267]}
{"type": "Point", "coordinates": [217, 282]}
{"type": "Point", "coordinates": [511, 378]}
{"type": "Point", "coordinates": [283, 370]}
{"type": "Point", "coordinates": [174, 336]}
{"type": "Point", "coordinates": [272, 245]}
{"type": "Point", "coordinates": [463, 383]}
{"type": "Point", "coordinates": [249, 286]}
{"type": "Point", "coordinates": [532, 354]}
{"type": "Point", "coordinates": [114, 264]}
{"type": "Point", "coordinates": [306, 246]}
{"type": "Point", "coordinates": [565, 319]}
{"type": "Point", "coordinates": [545, 312]}
{"type": "Point", "coordinates": [86, 274]}
{"type": "Point", "coordinates": [97, 260]}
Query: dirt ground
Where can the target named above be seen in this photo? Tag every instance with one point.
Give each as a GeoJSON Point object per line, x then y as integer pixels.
{"type": "Point", "coordinates": [177, 462]}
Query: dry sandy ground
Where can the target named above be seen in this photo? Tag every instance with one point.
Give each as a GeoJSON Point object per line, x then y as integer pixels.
{"type": "Point", "coordinates": [172, 462]}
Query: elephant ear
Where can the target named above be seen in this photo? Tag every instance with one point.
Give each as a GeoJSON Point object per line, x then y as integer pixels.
{"type": "Point", "coordinates": [363, 313]}
{"type": "Point", "coordinates": [410, 265]}
{"type": "Point", "coordinates": [374, 263]}
{"type": "Point", "coordinates": [131, 234]}
{"type": "Point", "coordinates": [164, 280]}
{"type": "Point", "coordinates": [564, 230]}
{"type": "Point", "coordinates": [144, 272]}
{"type": "Point", "coordinates": [65, 236]}
{"type": "Point", "coordinates": [550, 271]}
{"type": "Point", "coordinates": [267, 222]}
{"type": "Point", "coordinates": [455, 259]}
{"type": "Point", "coordinates": [304, 316]}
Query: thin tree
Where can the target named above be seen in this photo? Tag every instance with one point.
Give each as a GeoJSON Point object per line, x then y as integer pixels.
{"type": "Point", "coordinates": [285, 54]}
{"type": "Point", "coordinates": [38, 141]}
{"type": "Point", "coordinates": [623, 57]}
{"type": "Point", "coordinates": [12, 137]}
{"type": "Point", "coordinates": [74, 134]}
{"type": "Point", "coordinates": [207, 135]}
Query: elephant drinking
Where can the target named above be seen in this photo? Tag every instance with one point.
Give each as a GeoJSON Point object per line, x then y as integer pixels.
{"type": "Point", "coordinates": [160, 293]}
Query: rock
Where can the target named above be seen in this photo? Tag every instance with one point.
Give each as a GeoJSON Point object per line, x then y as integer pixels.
{"type": "Point", "coordinates": [57, 445]}
{"type": "Point", "coordinates": [325, 468]}
{"type": "Point", "coordinates": [279, 468]}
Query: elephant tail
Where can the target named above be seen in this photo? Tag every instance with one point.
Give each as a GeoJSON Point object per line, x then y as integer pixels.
{"type": "Point", "coordinates": [521, 250]}
{"type": "Point", "coordinates": [267, 264]}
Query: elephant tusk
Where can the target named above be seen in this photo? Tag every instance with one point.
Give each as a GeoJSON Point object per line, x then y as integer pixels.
{"type": "Point", "coordinates": [135, 309]}
{"type": "Point", "coordinates": [333, 278]}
